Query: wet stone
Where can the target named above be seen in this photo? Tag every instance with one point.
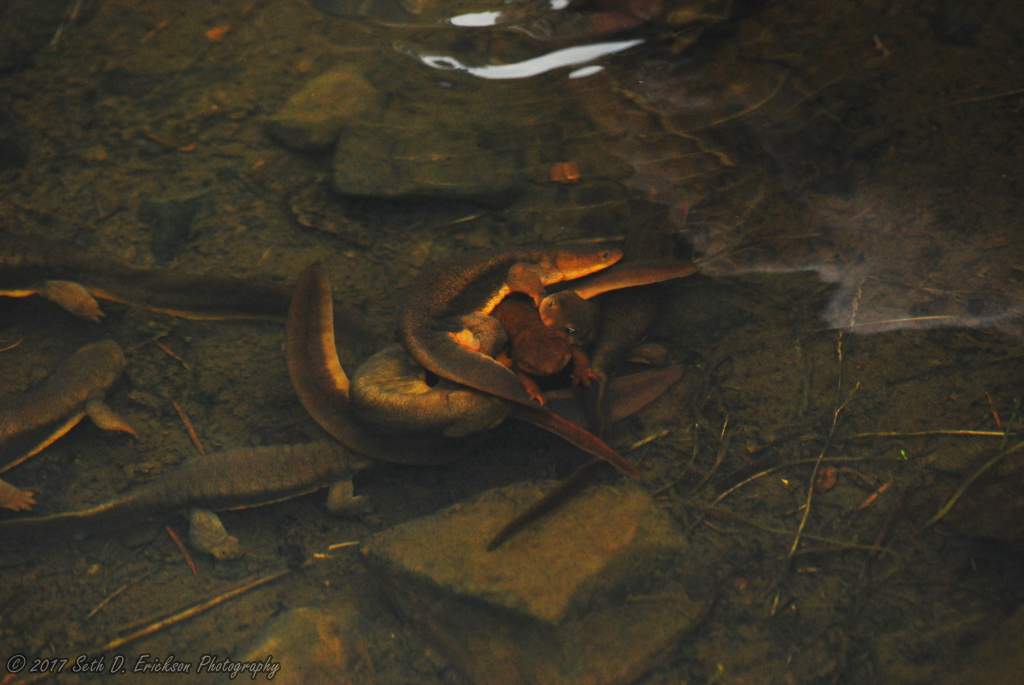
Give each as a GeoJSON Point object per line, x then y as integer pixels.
{"type": "Point", "coordinates": [312, 118]}
{"type": "Point", "coordinates": [590, 594]}
{"type": "Point", "coordinates": [309, 645]}
{"type": "Point", "coordinates": [170, 223]}
{"type": "Point", "coordinates": [447, 161]}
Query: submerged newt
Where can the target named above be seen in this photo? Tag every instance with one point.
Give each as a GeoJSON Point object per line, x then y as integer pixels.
{"type": "Point", "coordinates": [626, 315]}
{"type": "Point", "coordinates": [323, 388]}
{"type": "Point", "coordinates": [30, 267]}
{"type": "Point", "coordinates": [536, 350]}
{"type": "Point", "coordinates": [34, 420]}
{"type": "Point", "coordinates": [232, 479]}
{"type": "Point", "coordinates": [447, 310]}
{"type": "Point", "coordinates": [250, 477]}
{"type": "Point", "coordinates": [543, 340]}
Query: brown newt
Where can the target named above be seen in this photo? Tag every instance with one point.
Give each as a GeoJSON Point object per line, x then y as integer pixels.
{"type": "Point", "coordinates": [249, 477]}
{"type": "Point", "coordinates": [323, 387]}
{"type": "Point", "coordinates": [447, 310]}
{"type": "Point", "coordinates": [536, 350]}
{"type": "Point", "coordinates": [626, 314]}
{"type": "Point", "coordinates": [543, 340]}
{"type": "Point", "coordinates": [76, 282]}
{"type": "Point", "coordinates": [232, 479]}
{"type": "Point", "coordinates": [34, 420]}
{"type": "Point", "coordinates": [571, 309]}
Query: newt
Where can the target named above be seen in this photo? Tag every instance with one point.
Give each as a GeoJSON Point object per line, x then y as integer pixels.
{"type": "Point", "coordinates": [242, 478]}
{"type": "Point", "coordinates": [324, 390]}
{"type": "Point", "coordinates": [537, 350]}
{"type": "Point", "coordinates": [448, 308]}
{"type": "Point", "coordinates": [626, 315]}
{"type": "Point", "coordinates": [34, 420]}
{"type": "Point", "coordinates": [543, 340]}
{"type": "Point", "coordinates": [77, 282]}
{"type": "Point", "coordinates": [231, 479]}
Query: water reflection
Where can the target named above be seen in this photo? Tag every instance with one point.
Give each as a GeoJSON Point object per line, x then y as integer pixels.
{"type": "Point", "coordinates": [567, 57]}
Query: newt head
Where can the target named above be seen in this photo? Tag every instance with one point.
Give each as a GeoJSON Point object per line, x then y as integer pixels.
{"type": "Point", "coordinates": [570, 263]}
{"type": "Point", "coordinates": [567, 312]}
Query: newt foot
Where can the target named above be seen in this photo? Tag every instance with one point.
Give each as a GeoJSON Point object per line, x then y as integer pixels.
{"type": "Point", "coordinates": [15, 498]}
{"type": "Point", "coordinates": [342, 500]}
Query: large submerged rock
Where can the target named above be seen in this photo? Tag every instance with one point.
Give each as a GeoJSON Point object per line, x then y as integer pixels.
{"type": "Point", "coordinates": [313, 118]}
{"type": "Point", "coordinates": [591, 594]}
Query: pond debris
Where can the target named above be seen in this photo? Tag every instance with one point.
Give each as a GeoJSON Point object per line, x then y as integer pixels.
{"type": "Point", "coordinates": [171, 353]}
{"type": "Point", "coordinates": [809, 499]}
{"type": "Point", "coordinates": [992, 410]}
{"type": "Point", "coordinates": [949, 432]}
{"type": "Point", "coordinates": [115, 594]}
{"type": "Point", "coordinates": [218, 33]}
{"type": "Point", "coordinates": [176, 539]}
{"type": "Point", "coordinates": [827, 479]}
{"type": "Point", "coordinates": [955, 497]}
{"type": "Point", "coordinates": [189, 428]}
{"type": "Point", "coordinates": [11, 346]}
{"type": "Point", "coordinates": [870, 499]}
{"type": "Point", "coordinates": [565, 172]}
{"type": "Point", "coordinates": [195, 610]}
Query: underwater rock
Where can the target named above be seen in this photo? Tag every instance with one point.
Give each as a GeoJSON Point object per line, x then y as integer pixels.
{"type": "Point", "coordinates": [310, 645]}
{"type": "Point", "coordinates": [585, 595]}
{"type": "Point", "coordinates": [312, 118]}
{"type": "Point", "coordinates": [170, 224]}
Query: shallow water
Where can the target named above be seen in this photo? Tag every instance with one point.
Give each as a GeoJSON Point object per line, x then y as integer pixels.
{"type": "Point", "coordinates": [847, 179]}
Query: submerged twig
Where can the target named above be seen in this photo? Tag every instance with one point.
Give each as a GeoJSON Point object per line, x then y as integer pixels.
{"type": "Point", "coordinates": [840, 544]}
{"type": "Point", "coordinates": [196, 609]}
{"type": "Point", "coordinates": [951, 502]}
{"type": "Point", "coordinates": [11, 346]}
{"type": "Point", "coordinates": [189, 428]}
{"type": "Point", "coordinates": [189, 561]}
{"type": "Point", "coordinates": [166, 349]}
{"type": "Point", "coordinates": [808, 500]}
{"type": "Point", "coordinates": [115, 594]}
{"type": "Point", "coordinates": [950, 432]}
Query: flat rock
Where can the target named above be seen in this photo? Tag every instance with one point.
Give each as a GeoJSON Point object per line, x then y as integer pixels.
{"type": "Point", "coordinates": [587, 595]}
{"type": "Point", "coordinates": [308, 645]}
{"type": "Point", "coordinates": [312, 118]}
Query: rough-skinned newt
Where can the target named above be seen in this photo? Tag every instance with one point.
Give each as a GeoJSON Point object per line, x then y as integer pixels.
{"type": "Point", "coordinates": [34, 420]}
{"type": "Point", "coordinates": [76, 281]}
{"type": "Point", "coordinates": [232, 479]}
{"type": "Point", "coordinates": [448, 307]}
{"type": "Point", "coordinates": [626, 315]}
{"type": "Point", "coordinates": [572, 309]}
{"type": "Point", "coordinates": [256, 476]}
{"type": "Point", "coordinates": [536, 350]}
{"type": "Point", "coordinates": [543, 340]}
{"type": "Point", "coordinates": [323, 388]}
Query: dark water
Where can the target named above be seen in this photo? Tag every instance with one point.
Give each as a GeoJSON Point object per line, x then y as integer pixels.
{"type": "Point", "coordinates": [846, 176]}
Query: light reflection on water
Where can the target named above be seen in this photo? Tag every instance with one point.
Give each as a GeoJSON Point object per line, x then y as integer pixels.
{"type": "Point", "coordinates": [567, 57]}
